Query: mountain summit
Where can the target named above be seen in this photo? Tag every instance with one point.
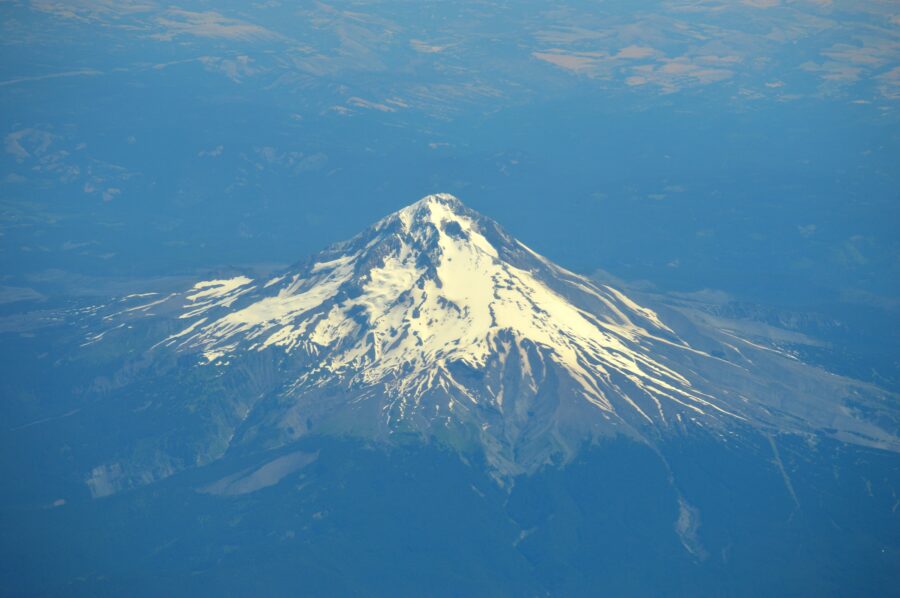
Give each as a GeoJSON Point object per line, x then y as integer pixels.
{"type": "Point", "coordinates": [436, 322]}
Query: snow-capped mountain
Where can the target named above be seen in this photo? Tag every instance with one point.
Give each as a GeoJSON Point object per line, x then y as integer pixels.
{"type": "Point", "coordinates": [438, 323]}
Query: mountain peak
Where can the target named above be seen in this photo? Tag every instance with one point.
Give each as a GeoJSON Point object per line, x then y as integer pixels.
{"type": "Point", "coordinates": [440, 199]}
{"type": "Point", "coordinates": [438, 322]}
{"type": "Point", "coordinates": [430, 206]}
{"type": "Point", "coordinates": [441, 211]}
